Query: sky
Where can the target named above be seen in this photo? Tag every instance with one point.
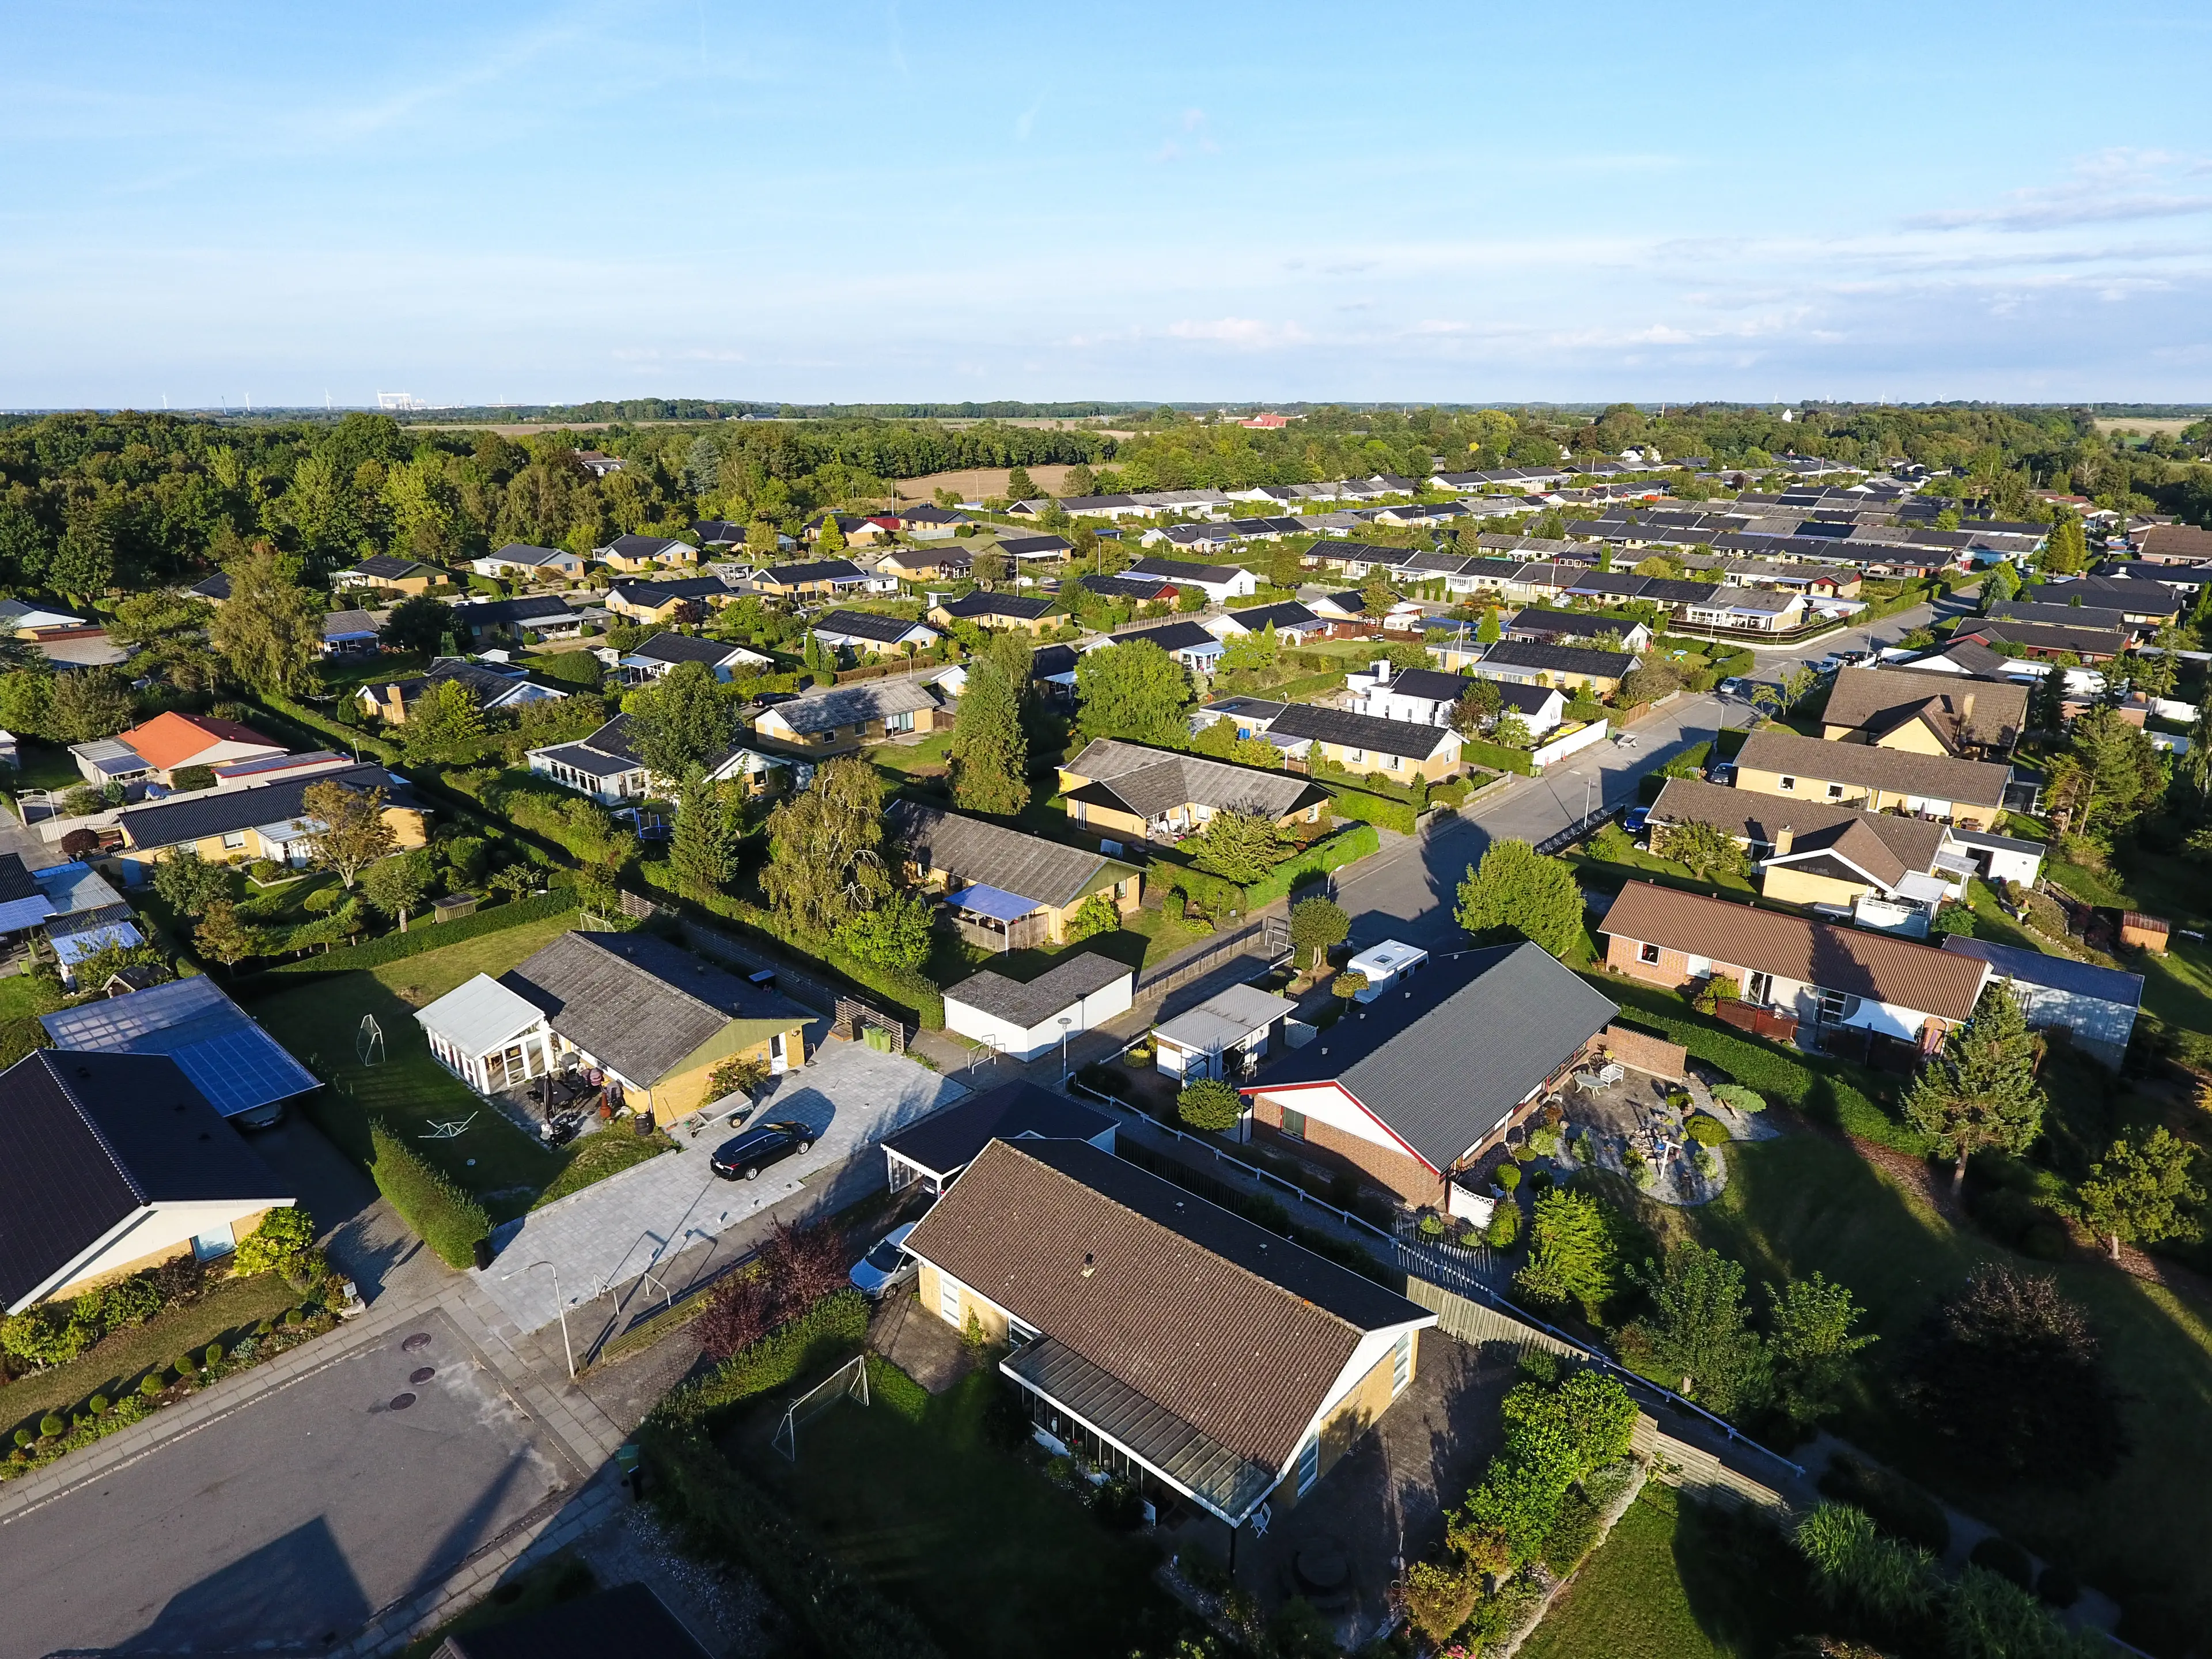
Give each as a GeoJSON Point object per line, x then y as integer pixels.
{"type": "Point", "coordinates": [829, 202]}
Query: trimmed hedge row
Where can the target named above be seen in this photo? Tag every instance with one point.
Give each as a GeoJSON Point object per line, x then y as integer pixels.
{"type": "Point", "coordinates": [1378, 810]}
{"type": "Point", "coordinates": [1218, 894]}
{"type": "Point", "coordinates": [1820, 1089]}
{"type": "Point", "coordinates": [1497, 757]}
{"type": "Point", "coordinates": [720, 1513]}
{"type": "Point", "coordinates": [443, 1216]}
{"type": "Point", "coordinates": [427, 935]}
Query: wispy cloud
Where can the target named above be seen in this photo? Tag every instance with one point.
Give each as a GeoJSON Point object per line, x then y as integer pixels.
{"type": "Point", "coordinates": [2112, 187]}
{"type": "Point", "coordinates": [1245, 332]}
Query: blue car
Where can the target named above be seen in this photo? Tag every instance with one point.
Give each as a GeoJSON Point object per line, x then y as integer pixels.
{"type": "Point", "coordinates": [1637, 818]}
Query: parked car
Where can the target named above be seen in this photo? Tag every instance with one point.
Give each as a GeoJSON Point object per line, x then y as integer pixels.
{"type": "Point", "coordinates": [1637, 818]}
{"type": "Point", "coordinates": [743, 1157]}
{"type": "Point", "coordinates": [1733, 686]}
{"type": "Point", "coordinates": [887, 1266]}
{"type": "Point", "coordinates": [1720, 772]}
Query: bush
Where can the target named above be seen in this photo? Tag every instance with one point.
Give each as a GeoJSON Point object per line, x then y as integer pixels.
{"type": "Point", "coordinates": [50, 1426]}
{"type": "Point", "coordinates": [2005, 1559]}
{"type": "Point", "coordinates": [1896, 1504]}
{"type": "Point", "coordinates": [1573, 1535]}
{"type": "Point", "coordinates": [284, 1233]}
{"type": "Point", "coordinates": [98, 1405]}
{"type": "Point", "coordinates": [186, 780]}
{"type": "Point", "coordinates": [1505, 1227]}
{"type": "Point", "coordinates": [1508, 1176]}
{"type": "Point", "coordinates": [24, 1436]}
{"type": "Point", "coordinates": [1380, 810]}
{"type": "Point", "coordinates": [1209, 1104]}
{"type": "Point", "coordinates": [1438, 1598]}
{"type": "Point", "coordinates": [445, 1217]}
{"type": "Point", "coordinates": [1735, 1095]}
{"type": "Point", "coordinates": [214, 1356]}
{"type": "Point", "coordinates": [151, 1384]}
{"type": "Point", "coordinates": [1432, 1225]}
{"type": "Point", "coordinates": [1708, 1131]}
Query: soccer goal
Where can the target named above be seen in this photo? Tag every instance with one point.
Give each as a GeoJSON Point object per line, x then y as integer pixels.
{"type": "Point", "coordinates": [849, 1381]}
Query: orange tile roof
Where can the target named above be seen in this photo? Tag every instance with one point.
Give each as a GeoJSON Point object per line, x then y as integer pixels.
{"type": "Point", "coordinates": [170, 740]}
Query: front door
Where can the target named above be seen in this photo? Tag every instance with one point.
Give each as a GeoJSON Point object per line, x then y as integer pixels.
{"type": "Point", "coordinates": [778, 1057]}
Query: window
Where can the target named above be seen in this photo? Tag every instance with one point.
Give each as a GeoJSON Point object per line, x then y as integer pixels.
{"type": "Point", "coordinates": [1648, 954]}
{"type": "Point", "coordinates": [1786, 785]}
{"type": "Point", "coordinates": [1836, 1004]}
{"type": "Point", "coordinates": [235, 838]}
{"type": "Point", "coordinates": [1294, 1124]}
{"type": "Point", "coordinates": [1835, 791]}
{"type": "Point", "coordinates": [1401, 1363]}
{"type": "Point", "coordinates": [1308, 1465]}
{"type": "Point", "coordinates": [215, 1242]}
{"type": "Point", "coordinates": [1357, 757]}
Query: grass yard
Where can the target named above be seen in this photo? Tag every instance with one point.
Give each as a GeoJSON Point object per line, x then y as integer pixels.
{"type": "Point", "coordinates": [45, 765]}
{"type": "Point", "coordinates": [900, 761]}
{"type": "Point", "coordinates": [1639, 866]}
{"type": "Point", "coordinates": [1806, 1202]}
{"type": "Point", "coordinates": [994, 1559]}
{"type": "Point", "coordinates": [495, 1161]}
{"type": "Point", "coordinates": [1676, 1580]}
{"type": "Point", "coordinates": [226, 1310]}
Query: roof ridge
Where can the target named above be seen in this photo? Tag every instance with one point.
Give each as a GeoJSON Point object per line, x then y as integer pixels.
{"type": "Point", "coordinates": [99, 1135]}
{"type": "Point", "coordinates": [1282, 1290]}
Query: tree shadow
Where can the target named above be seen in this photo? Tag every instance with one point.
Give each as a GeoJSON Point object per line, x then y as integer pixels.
{"type": "Point", "coordinates": [295, 1592]}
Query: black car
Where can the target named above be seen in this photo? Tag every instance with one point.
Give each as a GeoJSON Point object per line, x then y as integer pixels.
{"type": "Point", "coordinates": [743, 1157]}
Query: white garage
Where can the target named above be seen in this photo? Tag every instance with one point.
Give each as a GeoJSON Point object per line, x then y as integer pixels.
{"type": "Point", "coordinates": [1087, 989]}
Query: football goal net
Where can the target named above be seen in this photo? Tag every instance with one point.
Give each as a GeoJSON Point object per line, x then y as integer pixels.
{"type": "Point", "coordinates": [849, 1381]}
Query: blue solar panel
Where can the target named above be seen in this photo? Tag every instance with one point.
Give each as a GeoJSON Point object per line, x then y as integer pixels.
{"type": "Point", "coordinates": [991, 901]}
{"type": "Point", "coordinates": [229, 1059]}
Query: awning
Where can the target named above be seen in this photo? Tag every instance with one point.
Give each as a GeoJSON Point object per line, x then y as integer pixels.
{"type": "Point", "coordinates": [992, 902]}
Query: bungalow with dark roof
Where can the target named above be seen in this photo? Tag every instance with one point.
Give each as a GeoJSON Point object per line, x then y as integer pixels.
{"type": "Point", "coordinates": [1185, 1350]}
{"type": "Point", "coordinates": [839, 720]}
{"type": "Point", "coordinates": [1221, 582]}
{"type": "Point", "coordinates": [652, 659]}
{"type": "Point", "coordinates": [1521, 663]}
{"type": "Point", "coordinates": [652, 1016]}
{"type": "Point", "coordinates": [1004, 890]}
{"type": "Point", "coordinates": [933, 1151]}
{"type": "Point", "coordinates": [1130, 590]}
{"type": "Point", "coordinates": [1414, 1089]}
{"type": "Point", "coordinates": [605, 766]}
{"type": "Point", "coordinates": [382, 570]}
{"type": "Point", "coordinates": [686, 600]}
{"type": "Point", "coordinates": [646, 553]}
{"type": "Point", "coordinates": [1294, 623]}
{"type": "Point", "coordinates": [1133, 791]}
{"type": "Point", "coordinates": [818, 578]}
{"type": "Point", "coordinates": [534, 617]}
{"type": "Point", "coordinates": [942, 563]}
{"type": "Point", "coordinates": [1029, 613]}
{"type": "Point", "coordinates": [871, 634]}
{"type": "Point", "coordinates": [490, 686]}
{"type": "Point", "coordinates": [1188, 643]}
{"type": "Point", "coordinates": [261, 821]}
{"type": "Point", "coordinates": [1400, 749]}
{"type": "Point", "coordinates": [2096, 1006]}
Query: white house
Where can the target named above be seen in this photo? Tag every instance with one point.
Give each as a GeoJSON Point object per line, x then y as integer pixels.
{"type": "Point", "coordinates": [1229, 1031]}
{"type": "Point", "coordinates": [531, 564]}
{"type": "Point", "coordinates": [1220, 582]}
{"type": "Point", "coordinates": [1028, 1021]}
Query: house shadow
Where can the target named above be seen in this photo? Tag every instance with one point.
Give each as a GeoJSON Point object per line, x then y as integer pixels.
{"type": "Point", "coordinates": [296, 1594]}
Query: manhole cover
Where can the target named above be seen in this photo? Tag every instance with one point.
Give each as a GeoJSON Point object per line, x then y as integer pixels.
{"type": "Point", "coordinates": [421, 1376]}
{"type": "Point", "coordinates": [420, 1340]}
{"type": "Point", "coordinates": [400, 1402]}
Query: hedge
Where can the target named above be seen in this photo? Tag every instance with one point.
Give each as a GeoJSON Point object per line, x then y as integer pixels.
{"type": "Point", "coordinates": [1363, 808]}
{"type": "Point", "coordinates": [1818, 1088]}
{"type": "Point", "coordinates": [426, 935]}
{"type": "Point", "coordinates": [1497, 757]}
{"type": "Point", "coordinates": [911, 989]}
{"type": "Point", "coordinates": [344, 736]}
{"type": "Point", "coordinates": [445, 1217]}
{"type": "Point", "coordinates": [720, 1513]}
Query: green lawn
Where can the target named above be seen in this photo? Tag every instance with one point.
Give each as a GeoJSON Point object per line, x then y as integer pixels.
{"type": "Point", "coordinates": [45, 766]}
{"type": "Point", "coordinates": [1805, 1202]}
{"type": "Point", "coordinates": [226, 1310]}
{"type": "Point", "coordinates": [1676, 1580]}
{"type": "Point", "coordinates": [994, 1559]}
{"type": "Point", "coordinates": [899, 761]}
{"type": "Point", "coordinates": [1646, 866]}
{"type": "Point", "coordinates": [319, 1022]}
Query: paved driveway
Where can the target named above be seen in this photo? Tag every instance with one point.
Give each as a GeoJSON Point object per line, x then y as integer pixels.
{"type": "Point", "coordinates": [850, 1095]}
{"type": "Point", "coordinates": [288, 1521]}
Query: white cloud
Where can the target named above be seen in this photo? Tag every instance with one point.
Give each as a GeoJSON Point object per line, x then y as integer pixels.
{"type": "Point", "coordinates": [1245, 332]}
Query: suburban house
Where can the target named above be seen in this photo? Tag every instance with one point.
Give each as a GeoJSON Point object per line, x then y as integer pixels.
{"type": "Point", "coordinates": [933, 1151]}
{"type": "Point", "coordinates": [1403, 750]}
{"type": "Point", "coordinates": [605, 768]}
{"type": "Point", "coordinates": [951, 562]}
{"type": "Point", "coordinates": [655, 1018]}
{"type": "Point", "coordinates": [1188, 643]}
{"type": "Point", "coordinates": [22, 620]}
{"type": "Point", "coordinates": [2140, 604]}
{"type": "Point", "coordinates": [164, 745]}
{"type": "Point", "coordinates": [1221, 582]}
{"type": "Point", "coordinates": [241, 1071]}
{"type": "Point", "coordinates": [490, 687]}
{"type": "Point", "coordinates": [651, 659]}
{"type": "Point", "coordinates": [535, 564]}
{"type": "Point", "coordinates": [1028, 1019]}
{"type": "Point", "coordinates": [1031, 613]}
{"type": "Point", "coordinates": [116, 1163]}
{"type": "Point", "coordinates": [2175, 544]}
{"type": "Point", "coordinates": [210, 590]}
{"type": "Point", "coordinates": [1811, 852]}
{"type": "Point", "coordinates": [262, 821]}
{"type": "Point", "coordinates": [1207, 1360]}
{"type": "Point", "coordinates": [1130, 590]}
{"type": "Point", "coordinates": [855, 529]}
{"type": "Point", "coordinates": [1225, 1036]}
{"type": "Point", "coordinates": [841, 718]}
{"type": "Point", "coordinates": [2097, 1005]}
{"type": "Point", "coordinates": [592, 461]}
{"type": "Point", "coordinates": [1745, 610]}
{"type": "Point", "coordinates": [1294, 623]}
{"type": "Point", "coordinates": [1928, 714]}
{"type": "Point", "coordinates": [927, 522]}
{"type": "Point", "coordinates": [1006, 890]}
{"type": "Point", "coordinates": [1780, 762]}
{"type": "Point", "coordinates": [533, 616]}
{"type": "Point", "coordinates": [1518, 663]}
{"type": "Point", "coordinates": [1040, 550]}
{"type": "Point", "coordinates": [1426, 697]}
{"type": "Point", "coordinates": [2090, 642]}
{"type": "Point", "coordinates": [2076, 611]}
{"type": "Point", "coordinates": [1541, 626]}
{"type": "Point", "coordinates": [644, 553]}
{"type": "Point", "coordinates": [350, 633]}
{"type": "Point", "coordinates": [684, 599]}
{"type": "Point", "coordinates": [871, 634]}
{"type": "Point", "coordinates": [1813, 976]}
{"type": "Point", "coordinates": [815, 578]}
{"type": "Point", "coordinates": [2001, 857]}
{"type": "Point", "coordinates": [1129, 790]}
{"type": "Point", "coordinates": [1412, 1091]}
{"type": "Point", "coordinates": [383, 571]}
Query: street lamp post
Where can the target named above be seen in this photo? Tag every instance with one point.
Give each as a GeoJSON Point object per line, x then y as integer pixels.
{"type": "Point", "coordinates": [1065, 1022]}
{"type": "Point", "coordinates": [562, 1309]}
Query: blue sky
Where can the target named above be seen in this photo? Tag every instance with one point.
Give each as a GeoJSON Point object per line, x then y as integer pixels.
{"type": "Point", "coordinates": [1269, 202]}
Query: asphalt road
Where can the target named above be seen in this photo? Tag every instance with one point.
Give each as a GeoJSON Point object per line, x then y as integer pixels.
{"type": "Point", "coordinates": [1407, 892]}
{"type": "Point", "coordinates": [283, 1525]}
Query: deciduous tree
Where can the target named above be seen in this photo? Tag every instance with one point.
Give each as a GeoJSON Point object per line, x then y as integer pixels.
{"type": "Point", "coordinates": [395, 885]}
{"type": "Point", "coordinates": [1980, 1092]}
{"type": "Point", "coordinates": [1698, 1337]}
{"type": "Point", "coordinates": [417, 623]}
{"type": "Point", "coordinates": [1134, 691]}
{"type": "Point", "coordinates": [444, 723]}
{"type": "Point", "coordinates": [353, 834]}
{"type": "Point", "coordinates": [1703, 849]}
{"type": "Point", "coordinates": [221, 935]}
{"type": "Point", "coordinates": [989, 752]}
{"type": "Point", "coordinates": [1317, 926]}
{"type": "Point", "coordinates": [1518, 890]}
{"type": "Point", "coordinates": [271, 628]}
{"type": "Point", "coordinates": [187, 883]}
{"type": "Point", "coordinates": [1812, 1344]}
{"type": "Point", "coordinates": [893, 934]}
{"type": "Point", "coordinates": [90, 703]}
{"type": "Point", "coordinates": [2142, 1191]}
{"type": "Point", "coordinates": [680, 722]}
{"type": "Point", "coordinates": [1240, 847]}
{"type": "Point", "coordinates": [826, 862]}
{"type": "Point", "coordinates": [1478, 706]}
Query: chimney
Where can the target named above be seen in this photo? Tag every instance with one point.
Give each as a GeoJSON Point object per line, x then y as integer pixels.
{"type": "Point", "coordinates": [1966, 712]}
{"type": "Point", "coordinates": [1785, 839]}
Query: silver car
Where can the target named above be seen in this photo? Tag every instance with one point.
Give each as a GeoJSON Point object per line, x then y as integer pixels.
{"type": "Point", "coordinates": [887, 1266]}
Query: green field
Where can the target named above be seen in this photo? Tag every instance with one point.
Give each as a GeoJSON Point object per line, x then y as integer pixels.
{"type": "Point", "coordinates": [497, 1162]}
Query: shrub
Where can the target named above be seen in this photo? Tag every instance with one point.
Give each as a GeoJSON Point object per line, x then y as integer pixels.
{"type": "Point", "coordinates": [1735, 1095]}
{"type": "Point", "coordinates": [1505, 1227]}
{"type": "Point", "coordinates": [445, 1217]}
{"type": "Point", "coordinates": [50, 1426]}
{"type": "Point", "coordinates": [214, 1356]}
{"type": "Point", "coordinates": [284, 1233]}
{"type": "Point", "coordinates": [24, 1436]}
{"type": "Point", "coordinates": [1708, 1131]}
{"type": "Point", "coordinates": [1438, 1598]}
{"type": "Point", "coordinates": [1508, 1176]}
{"type": "Point", "coordinates": [1209, 1104]}
{"type": "Point", "coordinates": [1432, 1225]}
{"type": "Point", "coordinates": [150, 1384]}
{"type": "Point", "coordinates": [98, 1405]}
{"type": "Point", "coordinates": [1896, 1504]}
{"type": "Point", "coordinates": [2005, 1559]}
{"type": "Point", "coordinates": [1573, 1535]}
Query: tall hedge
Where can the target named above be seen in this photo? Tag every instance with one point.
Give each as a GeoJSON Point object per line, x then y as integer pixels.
{"type": "Point", "coordinates": [427, 935]}
{"type": "Point", "coordinates": [1497, 757]}
{"type": "Point", "coordinates": [446, 1218]}
{"type": "Point", "coordinates": [1362, 807]}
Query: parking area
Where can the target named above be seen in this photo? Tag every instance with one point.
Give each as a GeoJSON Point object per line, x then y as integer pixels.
{"type": "Point", "coordinates": [850, 1095]}
{"type": "Point", "coordinates": [285, 1523]}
